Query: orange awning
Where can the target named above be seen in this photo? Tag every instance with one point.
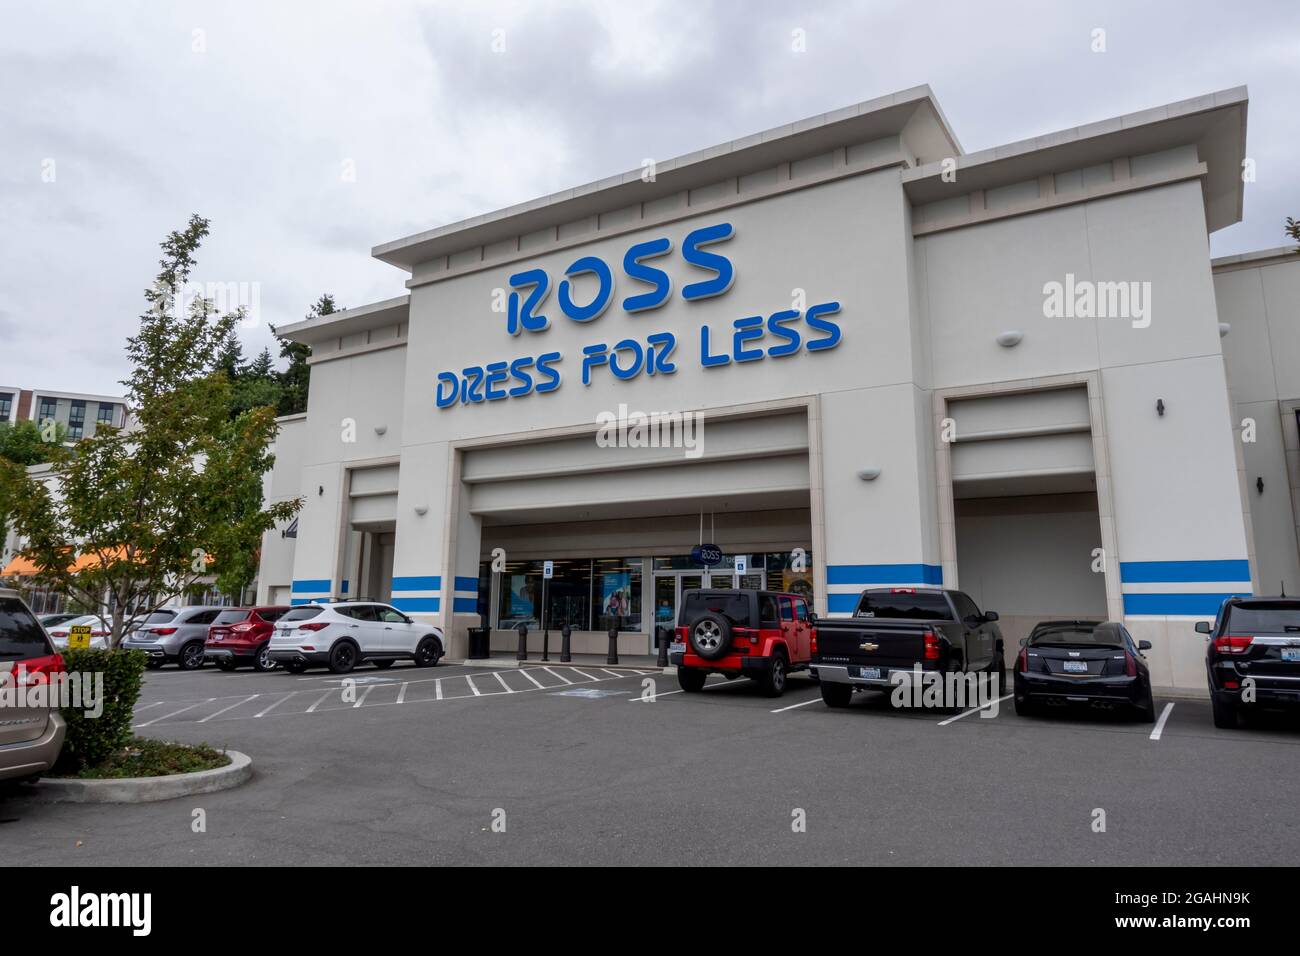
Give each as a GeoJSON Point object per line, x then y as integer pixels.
{"type": "Point", "coordinates": [25, 568]}
{"type": "Point", "coordinates": [19, 567]}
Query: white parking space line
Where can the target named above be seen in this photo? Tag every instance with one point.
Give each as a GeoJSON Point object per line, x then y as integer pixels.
{"type": "Point", "coordinates": [362, 699]}
{"type": "Point", "coordinates": [319, 700]}
{"type": "Point", "coordinates": [218, 713]}
{"type": "Point", "coordinates": [266, 710]}
{"type": "Point", "coordinates": [802, 703]}
{"type": "Point", "coordinates": [176, 713]}
{"type": "Point", "coordinates": [473, 686]}
{"type": "Point", "coordinates": [583, 673]}
{"type": "Point", "coordinates": [647, 700]}
{"type": "Point", "coordinates": [157, 703]}
{"type": "Point", "coordinates": [973, 710]}
{"type": "Point", "coordinates": [401, 694]}
{"type": "Point", "coordinates": [1160, 724]}
{"type": "Point", "coordinates": [502, 681]}
{"type": "Point", "coordinates": [616, 673]}
{"type": "Point", "coordinates": [437, 689]}
{"type": "Point", "coordinates": [557, 676]}
{"type": "Point", "coordinates": [524, 671]}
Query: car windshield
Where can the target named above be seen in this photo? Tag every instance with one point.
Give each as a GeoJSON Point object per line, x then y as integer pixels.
{"type": "Point", "coordinates": [1277, 616]}
{"type": "Point", "coordinates": [734, 606]}
{"type": "Point", "coordinates": [231, 617]}
{"type": "Point", "coordinates": [1081, 633]}
{"type": "Point", "coordinates": [21, 635]}
{"type": "Point", "coordinates": [904, 605]}
{"type": "Point", "coordinates": [302, 613]}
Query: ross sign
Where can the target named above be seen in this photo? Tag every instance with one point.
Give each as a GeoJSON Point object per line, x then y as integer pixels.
{"type": "Point", "coordinates": [708, 555]}
{"type": "Point", "coordinates": [79, 637]}
{"type": "Point", "coordinates": [548, 570]}
{"type": "Point", "coordinates": [756, 335]}
{"type": "Point", "coordinates": [742, 564]}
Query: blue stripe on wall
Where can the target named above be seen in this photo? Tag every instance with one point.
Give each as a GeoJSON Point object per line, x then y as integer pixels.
{"type": "Point", "coordinates": [884, 574]}
{"type": "Point", "coordinates": [842, 603]}
{"type": "Point", "coordinates": [1160, 572]}
{"type": "Point", "coordinates": [467, 584]}
{"type": "Point", "coordinates": [414, 604]}
{"type": "Point", "coordinates": [345, 585]}
{"type": "Point", "coordinates": [1206, 604]}
{"type": "Point", "coordinates": [428, 582]}
{"type": "Point", "coordinates": [313, 586]}
{"type": "Point", "coordinates": [464, 605]}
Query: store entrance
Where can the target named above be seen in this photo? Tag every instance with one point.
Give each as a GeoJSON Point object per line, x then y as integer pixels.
{"type": "Point", "coordinates": [669, 586]}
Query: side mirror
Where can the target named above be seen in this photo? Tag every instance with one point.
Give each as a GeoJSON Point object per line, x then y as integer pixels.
{"type": "Point", "coordinates": [1144, 645]}
{"type": "Point", "coordinates": [1024, 641]}
{"type": "Point", "coordinates": [1202, 627]}
{"type": "Point", "coordinates": [812, 617]}
{"type": "Point", "coordinates": [990, 616]}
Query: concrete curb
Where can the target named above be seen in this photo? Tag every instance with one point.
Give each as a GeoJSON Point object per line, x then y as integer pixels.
{"type": "Point", "coordinates": [498, 663]}
{"type": "Point", "coordinates": [148, 789]}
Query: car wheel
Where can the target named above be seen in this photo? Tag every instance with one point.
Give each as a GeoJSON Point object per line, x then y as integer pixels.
{"type": "Point", "coordinates": [227, 665]}
{"type": "Point", "coordinates": [428, 652]}
{"type": "Point", "coordinates": [691, 679]}
{"type": "Point", "coordinates": [294, 667]}
{"type": "Point", "coordinates": [836, 695]}
{"type": "Point", "coordinates": [774, 680]}
{"type": "Point", "coordinates": [191, 658]}
{"type": "Point", "coordinates": [262, 660]}
{"type": "Point", "coordinates": [1024, 708]}
{"type": "Point", "coordinates": [710, 636]}
{"type": "Point", "coordinates": [343, 657]}
{"type": "Point", "coordinates": [1146, 711]}
{"type": "Point", "coordinates": [382, 665]}
{"type": "Point", "coordinates": [998, 669]}
{"type": "Point", "coordinates": [1226, 717]}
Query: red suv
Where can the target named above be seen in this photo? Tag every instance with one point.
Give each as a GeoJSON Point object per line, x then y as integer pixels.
{"type": "Point", "coordinates": [759, 634]}
{"type": "Point", "coordinates": [242, 635]}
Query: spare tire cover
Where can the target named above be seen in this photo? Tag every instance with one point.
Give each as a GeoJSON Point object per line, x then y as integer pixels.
{"type": "Point", "coordinates": [710, 636]}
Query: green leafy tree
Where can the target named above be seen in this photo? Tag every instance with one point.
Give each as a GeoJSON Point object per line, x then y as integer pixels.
{"type": "Point", "coordinates": [256, 386]}
{"type": "Point", "coordinates": [24, 442]}
{"type": "Point", "coordinates": [137, 516]}
{"type": "Point", "coordinates": [296, 378]}
{"type": "Point", "coordinates": [1293, 229]}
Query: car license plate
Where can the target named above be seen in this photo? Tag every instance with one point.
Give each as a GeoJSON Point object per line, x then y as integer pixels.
{"type": "Point", "coordinates": [285, 632]}
{"type": "Point", "coordinates": [869, 673]}
{"type": "Point", "coordinates": [676, 647]}
{"type": "Point", "coordinates": [1291, 653]}
{"type": "Point", "coordinates": [1076, 667]}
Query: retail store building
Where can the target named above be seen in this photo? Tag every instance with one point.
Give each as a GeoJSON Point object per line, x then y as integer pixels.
{"type": "Point", "coordinates": [863, 357]}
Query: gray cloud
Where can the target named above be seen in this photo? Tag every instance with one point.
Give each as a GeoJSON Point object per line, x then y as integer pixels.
{"type": "Point", "coordinates": [248, 114]}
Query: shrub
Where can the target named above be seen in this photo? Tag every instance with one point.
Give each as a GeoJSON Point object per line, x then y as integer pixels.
{"type": "Point", "coordinates": [91, 740]}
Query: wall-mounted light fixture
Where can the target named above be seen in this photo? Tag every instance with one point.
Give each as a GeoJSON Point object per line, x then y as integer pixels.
{"type": "Point", "coordinates": [1010, 338]}
{"type": "Point", "coordinates": [421, 510]}
{"type": "Point", "coordinates": [381, 429]}
{"type": "Point", "coordinates": [320, 489]}
{"type": "Point", "coordinates": [1259, 484]}
{"type": "Point", "coordinates": [1224, 328]}
{"type": "Point", "coordinates": [869, 474]}
{"type": "Point", "coordinates": [1160, 407]}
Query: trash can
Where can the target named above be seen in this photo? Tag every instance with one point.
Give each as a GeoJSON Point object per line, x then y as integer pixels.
{"type": "Point", "coordinates": [480, 643]}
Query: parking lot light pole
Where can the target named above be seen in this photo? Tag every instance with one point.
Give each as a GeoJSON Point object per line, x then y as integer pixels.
{"type": "Point", "coordinates": [565, 631]}
{"type": "Point", "coordinates": [612, 657]}
{"type": "Point", "coordinates": [522, 653]}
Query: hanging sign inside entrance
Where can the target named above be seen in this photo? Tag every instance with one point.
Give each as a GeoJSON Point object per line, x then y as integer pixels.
{"type": "Point", "coordinates": [742, 564]}
{"type": "Point", "coordinates": [548, 570]}
{"type": "Point", "coordinates": [709, 555]}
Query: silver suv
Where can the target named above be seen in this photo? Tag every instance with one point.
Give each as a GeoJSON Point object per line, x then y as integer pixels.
{"type": "Point", "coordinates": [343, 634]}
{"type": "Point", "coordinates": [30, 736]}
{"type": "Point", "coordinates": [174, 636]}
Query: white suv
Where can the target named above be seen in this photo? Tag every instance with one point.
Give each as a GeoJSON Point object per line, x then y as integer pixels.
{"type": "Point", "coordinates": [342, 634]}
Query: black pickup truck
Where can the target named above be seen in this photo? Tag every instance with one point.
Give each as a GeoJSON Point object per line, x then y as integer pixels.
{"type": "Point", "coordinates": [898, 628]}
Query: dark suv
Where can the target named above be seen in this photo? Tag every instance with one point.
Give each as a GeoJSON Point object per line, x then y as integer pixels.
{"type": "Point", "coordinates": [758, 634]}
{"type": "Point", "coordinates": [1253, 658]}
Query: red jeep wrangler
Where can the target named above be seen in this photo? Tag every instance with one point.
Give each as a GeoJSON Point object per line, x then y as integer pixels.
{"type": "Point", "coordinates": [759, 634]}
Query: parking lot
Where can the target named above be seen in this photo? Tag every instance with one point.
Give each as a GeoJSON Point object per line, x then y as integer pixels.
{"type": "Point", "coordinates": [577, 764]}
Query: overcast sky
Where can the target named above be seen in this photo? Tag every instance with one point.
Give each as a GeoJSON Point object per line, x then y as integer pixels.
{"type": "Point", "coordinates": [255, 115]}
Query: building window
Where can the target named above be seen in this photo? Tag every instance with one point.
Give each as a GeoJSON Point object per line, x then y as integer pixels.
{"type": "Point", "coordinates": [46, 411]}
{"type": "Point", "coordinates": [6, 405]}
{"type": "Point", "coordinates": [77, 420]}
{"type": "Point", "coordinates": [105, 415]}
{"type": "Point", "coordinates": [616, 594]}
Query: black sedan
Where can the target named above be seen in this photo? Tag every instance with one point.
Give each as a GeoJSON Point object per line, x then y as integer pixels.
{"type": "Point", "coordinates": [1085, 663]}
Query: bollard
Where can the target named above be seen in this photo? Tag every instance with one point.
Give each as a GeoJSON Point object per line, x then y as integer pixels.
{"type": "Point", "coordinates": [665, 636]}
{"type": "Point", "coordinates": [522, 654]}
{"type": "Point", "coordinates": [612, 658]}
{"type": "Point", "coordinates": [565, 656]}
{"type": "Point", "coordinates": [546, 643]}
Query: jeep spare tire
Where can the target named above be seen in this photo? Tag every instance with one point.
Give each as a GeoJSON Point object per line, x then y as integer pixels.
{"type": "Point", "coordinates": [710, 636]}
